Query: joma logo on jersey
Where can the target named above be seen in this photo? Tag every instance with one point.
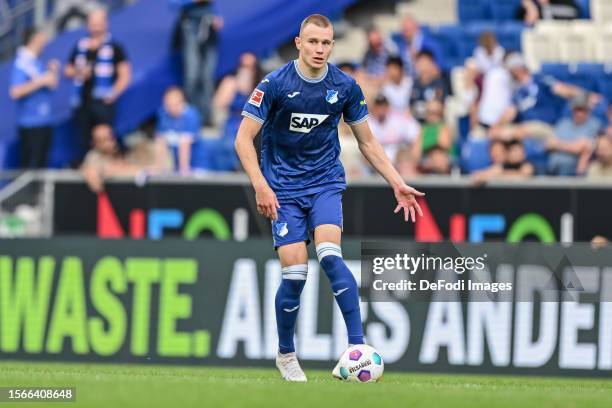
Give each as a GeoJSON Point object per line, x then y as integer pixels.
{"type": "Point", "coordinates": [304, 122]}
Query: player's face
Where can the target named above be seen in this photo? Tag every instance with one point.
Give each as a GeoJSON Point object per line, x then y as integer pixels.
{"type": "Point", "coordinates": [315, 45]}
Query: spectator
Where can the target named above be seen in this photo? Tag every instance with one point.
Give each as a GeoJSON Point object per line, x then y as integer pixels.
{"type": "Point", "coordinates": [496, 96]}
{"type": "Point", "coordinates": [429, 85]}
{"type": "Point", "coordinates": [469, 93]}
{"type": "Point", "coordinates": [200, 25]}
{"type": "Point", "coordinates": [105, 160]}
{"type": "Point", "coordinates": [489, 54]}
{"type": "Point", "coordinates": [178, 126]}
{"type": "Point", "coordinates": [601, 168]}
{"type": "Point", "coordinates": [531, 11]}
{"type": "Point", "coordinates": [433, 132]}
{"type": "Point", "coordinates": [413, 41]}
{"type": "Point", "coordinates": [397, 86]}
{"type": "Point", "coordinates": [436, 160]}
{"type": "Point", "coordinates": [515, 165]}
{"type": "Point", "coordinates": [498, 155]}
{"type": "Point", "coordinates": [101, 72]}
{"type": "Point", "coordinates": [574, 137]}
{"type": "Point", "coordinates": [406, 164]}
{"type": "Point", "coordinates": [498, 152]}
{"type": "Point", "coordinates": [393, 130]}
{"type": "Point", "coordinates": [234, 91]}
{"type": "Point", "coordinates": [535, 97]}
{"type": "Point", "coordinates": [31, 86]}
{"type": "Point", "coordinates": [378, 52]}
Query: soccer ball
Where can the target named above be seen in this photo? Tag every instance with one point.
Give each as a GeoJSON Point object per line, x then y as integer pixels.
{"type": "Point", "coordinates": [361, 363]}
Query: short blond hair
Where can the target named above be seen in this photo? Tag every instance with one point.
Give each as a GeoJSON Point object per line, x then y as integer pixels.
{"type": "Point", "coordinates": [317, 19]}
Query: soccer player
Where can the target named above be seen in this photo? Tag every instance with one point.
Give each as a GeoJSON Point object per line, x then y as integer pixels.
{"type": "Point", "coordinates": [300, 184]}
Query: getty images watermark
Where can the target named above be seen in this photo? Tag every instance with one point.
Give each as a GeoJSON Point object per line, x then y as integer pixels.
{"type": "Point", "coordinates": [484, 272]}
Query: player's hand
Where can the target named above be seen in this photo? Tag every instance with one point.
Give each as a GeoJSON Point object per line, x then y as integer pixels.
{"type": "Point", "coordinates": [406, 199]}
{"type": "Point", "coordinates": [267, 204]}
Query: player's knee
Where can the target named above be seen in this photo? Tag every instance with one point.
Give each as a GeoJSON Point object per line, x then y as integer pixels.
{"type": "Point", "coordinates": [294, 279]}
{"type": "Point", "coordinates": [330, 259]}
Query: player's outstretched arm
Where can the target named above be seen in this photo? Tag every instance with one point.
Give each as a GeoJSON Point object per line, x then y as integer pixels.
{"type": "Point", "coordinates": [267, 204]}
{"type": "Point", "coordinates": [375, 154]}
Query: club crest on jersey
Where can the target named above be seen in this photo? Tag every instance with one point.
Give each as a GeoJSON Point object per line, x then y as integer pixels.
{"type": "Point", "coordinates": [305, 122]}
{"type": "Point", "coordinates": [256, 97]}
{"type": "Point", "coordinates": [332, 96]}
{"type": "Point", "coordinates": [280, 228]}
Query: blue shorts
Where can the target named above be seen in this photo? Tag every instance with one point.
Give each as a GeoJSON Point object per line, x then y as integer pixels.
{"type": "Point", "coordinates": [298, 216]}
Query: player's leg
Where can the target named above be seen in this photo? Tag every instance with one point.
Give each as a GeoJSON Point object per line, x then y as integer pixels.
{"type": "Point", "coordinates": [343, 283]}
{"type": "Point", "coordinates": [326, 218]}
{"type": "Point", "coordinates": [290, 233]}
{"type": "Point", "coordinates": [294, 268]}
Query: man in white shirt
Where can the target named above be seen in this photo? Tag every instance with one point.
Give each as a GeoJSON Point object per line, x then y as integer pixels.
{"type": "Point", "coordinates": [496, 95]}
{"type": "Point", "coordinates": [397, 86]}
{"type": "Point", "coordinates": [392, 129]}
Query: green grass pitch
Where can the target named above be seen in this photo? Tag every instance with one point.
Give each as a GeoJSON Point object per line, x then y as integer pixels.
{"type": "Point", "coordinates": [105, 385]}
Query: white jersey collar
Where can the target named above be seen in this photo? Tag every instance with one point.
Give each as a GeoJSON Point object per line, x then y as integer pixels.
{"type": "Point", "coordinates": [308, 79]}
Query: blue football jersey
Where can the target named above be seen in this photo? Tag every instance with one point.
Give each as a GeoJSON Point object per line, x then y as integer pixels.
{"type": "Point", "coordinates": [536, 100]}
{"type": "Point", "coordinates": [300, 148]}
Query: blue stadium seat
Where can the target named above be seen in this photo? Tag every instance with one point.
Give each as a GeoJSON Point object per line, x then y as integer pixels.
{"type": "Point", "coordinates": [216, 154]}
{"type": "Point", "coordinates": [475, 155]}
{"type": "Point", "coordinates": [509, 35]}
{"type": "Point", "coordinates": [594, 70]}
{"type": "Point", "coordinates": [469, 10]}
{"type": "Point", "coordinates": [202, 154]}
{"type": "Point", "coordinates": [449, 38]}
{"type": "Point", "coordinates": [536, 154]}
{"type": "Point", "coordinates": [559, 71]}
{"type": "Point", "coordinates": [605, 86]}
{"type": "Point", "coordinates": [585, 8]}
{"type": "Point", "coordinates": [504, 9]}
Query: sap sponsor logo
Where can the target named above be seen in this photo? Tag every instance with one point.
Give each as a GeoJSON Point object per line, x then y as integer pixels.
{"type": "Point", "coordinates": [304, 122]}
{"type": "Point", "coordinates": [256, 97]}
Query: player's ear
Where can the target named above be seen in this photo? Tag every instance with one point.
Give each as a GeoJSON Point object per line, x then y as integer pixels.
{"type": "Point", "coordinates": [298, 43]}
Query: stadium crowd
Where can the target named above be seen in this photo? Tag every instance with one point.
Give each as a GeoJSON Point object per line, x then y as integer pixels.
{"type": "Point", "coordinates": [407, 85]}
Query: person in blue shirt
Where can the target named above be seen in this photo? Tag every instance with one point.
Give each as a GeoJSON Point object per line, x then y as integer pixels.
{"type": "Point", "coordinates": [31, 87]}
{"type": "Point", "coordinates": [300, 182]}
{"type": "Point", "coordinates": [413, 41]}
{"type": "Point", "coordinates": [178, 126]}
{"type": "Point", "coordinates": [536, 98]}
